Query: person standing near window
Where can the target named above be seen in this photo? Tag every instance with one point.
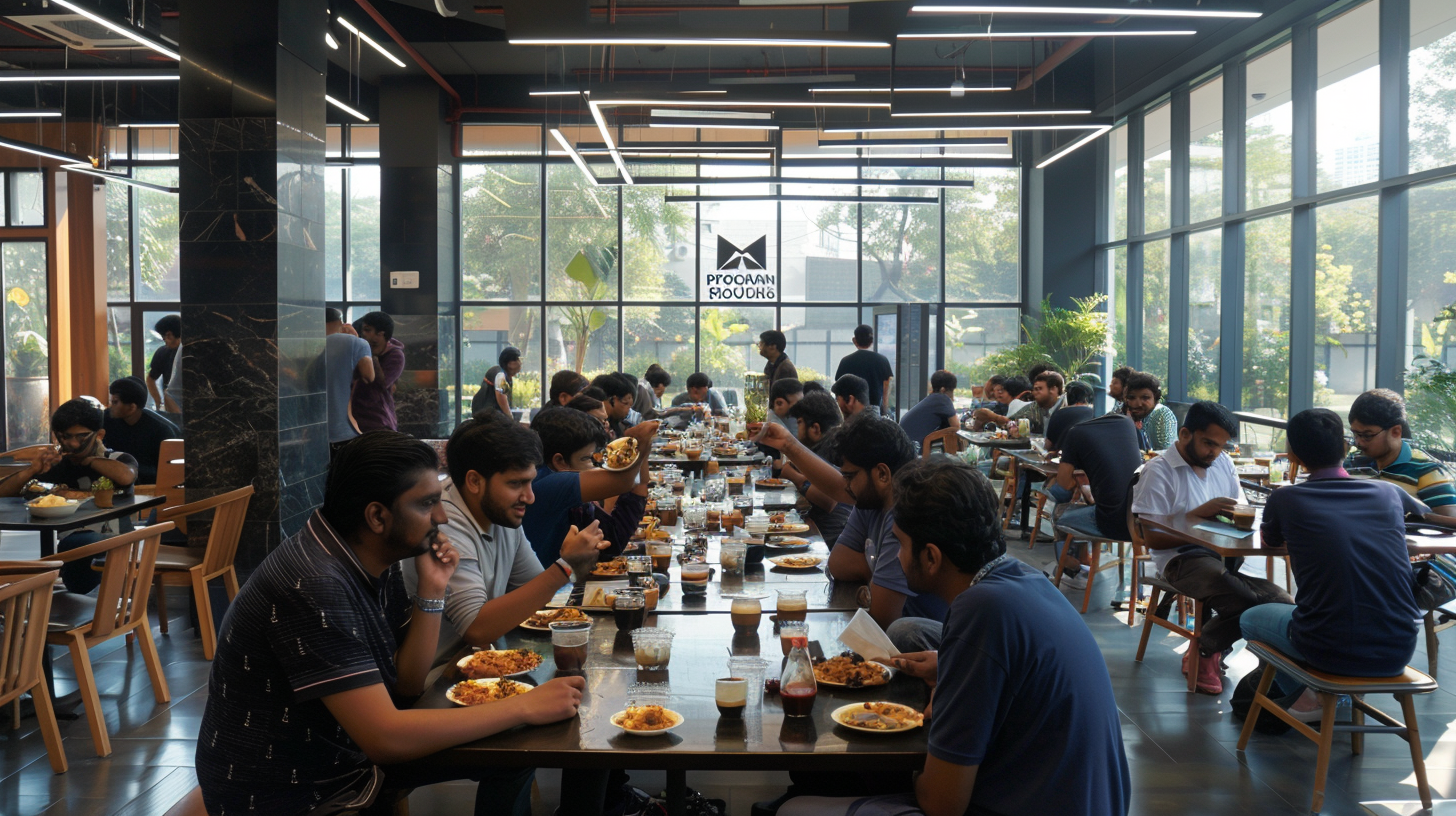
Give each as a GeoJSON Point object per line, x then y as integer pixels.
{"type": "Point", "coordinates": [346, 357]}
{"type": "Point", "coordinates": [495, 390]}
{"type": "Point", "coordinates": [373, 402]}
{"type": "Point", "coordinates": [870, 366]}
{"type": "Point", "coordinates": [771, 345]}
{"type": "Point", "coordinates": [170, 329]}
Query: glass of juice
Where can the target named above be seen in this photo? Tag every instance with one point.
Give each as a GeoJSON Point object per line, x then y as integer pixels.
{"type": "Point", "coordinates": [661, 554]}
{"type": "Point", "coordinates": [793, 604]}
{"type": "Point", "coordinates": [568, 645]}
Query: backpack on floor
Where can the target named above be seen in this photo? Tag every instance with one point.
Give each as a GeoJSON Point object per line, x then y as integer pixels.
{"type": "Point", "coordinates": [1243, 700]}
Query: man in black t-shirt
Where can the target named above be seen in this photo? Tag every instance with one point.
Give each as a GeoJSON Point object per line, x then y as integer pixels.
{"type": "Point", "coordinates": [131, 428]}
{"type": "Point", "coordinates": [79, 460]}
{"type": "Point", "coordinates": [1106, 449]}
{"type": "Point", "coordinates": [1077, 410]}
{"type": "Point", "coordinates": [870, 366]}
{"type": "Point", "coordinates": [170, 329]}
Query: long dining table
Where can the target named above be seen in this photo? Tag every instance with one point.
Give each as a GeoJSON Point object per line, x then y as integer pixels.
{"type": "Point", "coordinates": [764, 739]}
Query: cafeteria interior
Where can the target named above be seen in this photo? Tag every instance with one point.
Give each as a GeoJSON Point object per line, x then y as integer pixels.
{"type": "Point", "coordinates": [723, 407]}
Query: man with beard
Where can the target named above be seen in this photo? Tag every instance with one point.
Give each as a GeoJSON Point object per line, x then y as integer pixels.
{"type": "Point", "coordinates": [324, 638]}
{"type": "Point", "coordinates": [871, 450]}
{"type": "Point", "coordinates": [499, 582]}
{"type": "Point", "coordinates": [1157, 425]}
{"type": "Point", "coordinates": [1195, 476]}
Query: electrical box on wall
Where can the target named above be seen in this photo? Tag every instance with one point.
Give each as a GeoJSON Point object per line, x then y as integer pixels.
{"type": "Point", "coordinates": [404, 280]}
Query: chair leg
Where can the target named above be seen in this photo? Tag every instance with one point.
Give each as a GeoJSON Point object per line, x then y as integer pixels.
{"type": "Point", "coordinates": [1041, 501]}
{"type": "Point", "coordinates": [1413, 736]}
{"type": "Point", "coordinates": [1008, 493]}
{"type": "Point", "coordinates": [1147, 624]}
{"type": "Point", "coordinates": [50, 731]}
{"type": "Point", "coordinates": [1091, 576]}
{"type": "Point", "coordinates": [86, 684]}
{"type": "Point", "coordinates": [1357, 739]}
{"type": "Point", "coordinates": [154, 662]}
{"type": "Point", "coordinates": [204, 615]}
{"type": "Point", "coordinates": [160, 590]}
{"type": "Point", "coordinates": [1066, 548]}
{"type": "Point", "coordinates": [1265, 681]}
{"type": "Point", "coordinates": [230, 580]}
{"type": "Point", "coordinates": [1433, 644]}
{"type": "Point", "coordinates": [1326, 742]}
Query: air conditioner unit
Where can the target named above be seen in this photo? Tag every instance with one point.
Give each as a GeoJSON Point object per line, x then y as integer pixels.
{"type": "Point", "coordinates": [76, 31]}
{"type": "Point", "coordinates": [682, 251]}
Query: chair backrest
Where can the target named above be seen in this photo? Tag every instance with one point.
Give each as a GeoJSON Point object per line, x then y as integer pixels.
{"type": "Point", "coordinates": [25, 607]}
{"type": "Point", "coordinates": [170, 477]}
{"type": "Point", "coordinates": [27, 453]}
{"type": "Point", "coordinates": [949, 441]}
{"type": "Point", "coordinates": [126, 578]}
{"type": "Point", "coordinates": [227, 525]}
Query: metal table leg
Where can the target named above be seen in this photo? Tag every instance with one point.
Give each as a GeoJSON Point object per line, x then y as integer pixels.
{"type": "Point", "coordinates": [677, 793]}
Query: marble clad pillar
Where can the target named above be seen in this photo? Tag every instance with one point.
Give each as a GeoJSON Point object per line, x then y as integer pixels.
{"type": "Point", "coordinates": [251, 114]}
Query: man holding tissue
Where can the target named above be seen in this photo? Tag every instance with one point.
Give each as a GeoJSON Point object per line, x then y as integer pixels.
{"type": "Point", "coordinates": [1016, 664]}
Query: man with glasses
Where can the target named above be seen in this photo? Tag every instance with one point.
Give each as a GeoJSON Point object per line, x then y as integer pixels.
{"type": "Point", "coordinates": [77, 462]}
{"type": "Point", "coordinates": [1380, 431]}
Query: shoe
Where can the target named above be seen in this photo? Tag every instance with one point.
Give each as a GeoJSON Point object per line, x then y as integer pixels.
{"type": "Point", "coordinates": [638, 802]}
{"type": "Point", "coordinates": [1314, 715]}
{"type": "Point", "coordinates": [1077, 581]}
{"type": "Point", "coordinates": [1209, 681]}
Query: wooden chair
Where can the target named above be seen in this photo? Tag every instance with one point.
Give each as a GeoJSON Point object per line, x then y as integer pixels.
{"type": "Point", "coordinates": [196, 566]}
{"type": "Point", "coordinates": [1182, 607]}
{"type": "Point", "coordinates": [25, 454]}
{"type": "Point", "coordinates": [1329, 687]}
{"type": "Point", "coordinates": [170, 478]}
{"type": "Point", "coordinates": [1095, 544]}
{"type": "Point", "coordinates": [949, 441]}
{"type": "Point", "coordinates": [25, 606]}
{"type": "Point", "coordinates": [118, 608]}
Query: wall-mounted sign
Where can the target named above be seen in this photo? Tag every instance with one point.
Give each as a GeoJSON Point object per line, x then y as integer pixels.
{"type": "Point", "coordinates": [404, 280]}
{"type": "Point", "coordinates": [742, 274]}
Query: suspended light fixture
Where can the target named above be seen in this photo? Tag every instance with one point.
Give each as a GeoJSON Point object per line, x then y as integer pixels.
{"type": "Point", "coordinates": [1107, 11]}
{"type": "Point", "coordinates": [345, 108]}
{"type": "Point", "coordinates": [1063, 151]}
{"type": "Point", "coordinates": [370, 40]}
{"type": "Point", "coordinates": [124, 30]}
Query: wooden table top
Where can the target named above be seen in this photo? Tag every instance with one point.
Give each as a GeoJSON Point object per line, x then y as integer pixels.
{"type": "Point", "coordinates": [1183, 526]}
{"type": "Point", "coordinates": [764, 739]}
{"type": "Point", "coordinates": [15, 516]}
{"type": "Point", "coordinates": [983, 439]}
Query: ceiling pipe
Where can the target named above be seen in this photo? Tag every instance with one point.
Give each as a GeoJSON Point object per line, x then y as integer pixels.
{"type": "Point", "coordinates": [457, 105]}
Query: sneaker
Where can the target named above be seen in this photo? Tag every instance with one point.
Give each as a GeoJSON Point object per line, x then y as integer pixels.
{"type": "Point", "coordinates": [1209, 681]}
{"type": "Point", "coordinates": [638, 802]}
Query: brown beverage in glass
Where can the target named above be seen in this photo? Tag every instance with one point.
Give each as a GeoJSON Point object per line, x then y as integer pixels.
{"type": "Point", "coordinates": [793, 605]}
{"type": "Point", "coordinates": [798, 702]}
{"type": "Point", "coordinates": [568, 646]}
{"type": "Point", "coordinates": [745, 614]}
{"type": "Point", "coordinates": [731, 696]}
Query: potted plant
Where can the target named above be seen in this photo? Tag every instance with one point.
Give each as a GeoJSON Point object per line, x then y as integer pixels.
{"type": "Point", "coordinates": [102, 492]}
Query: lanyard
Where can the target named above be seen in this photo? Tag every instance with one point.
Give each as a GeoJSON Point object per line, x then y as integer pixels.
{"type": "Point", "coordinates": [990, 565]}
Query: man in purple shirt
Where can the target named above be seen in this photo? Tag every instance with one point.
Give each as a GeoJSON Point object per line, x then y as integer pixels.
{"type": "Point", "coordinates": [373, 402]}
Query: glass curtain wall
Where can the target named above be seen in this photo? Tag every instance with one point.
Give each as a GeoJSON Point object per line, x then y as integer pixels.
{"type": "Point", "coordinates": [1315, 268]}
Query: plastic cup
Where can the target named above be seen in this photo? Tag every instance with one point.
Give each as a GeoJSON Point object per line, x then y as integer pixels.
{"type": "Point", "coordinates": [652, 647]}
{"type": "Point", "coordinates": [752, 670]}
{"type": "Point", "coordinates": [731, 556]}
{"type": "Point", "coordinates": [568, 645]}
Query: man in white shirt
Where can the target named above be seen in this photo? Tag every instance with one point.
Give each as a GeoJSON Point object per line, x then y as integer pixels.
{"type": "Point", "coordinates": [1195, 476]}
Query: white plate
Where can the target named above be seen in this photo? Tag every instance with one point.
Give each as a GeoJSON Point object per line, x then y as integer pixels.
{"type": "Point", "coordinates": [59, 511]}
{"type": "Point", "coordinates": [778, 561]}
{"type": "Point", "coordinates": [525, 624]}
{"type": "Point", "coordinates": [464, 661]}
{"type": "Point", "coordinates": [788, 544]}
{"type": "Point", "coordinates": [886, 672]}
{"type": "Point", "coordinates": [839, 713]}
{"type": "Point", "coordinates": [787, 528]}
{"type": "Point", "coordinates": [677, 717]}
{"type": "Point", "coordinates": [490, 681]}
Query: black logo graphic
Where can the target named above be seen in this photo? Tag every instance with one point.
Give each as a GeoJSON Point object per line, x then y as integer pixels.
{"type": "Point", "coordinates": [754, 257]}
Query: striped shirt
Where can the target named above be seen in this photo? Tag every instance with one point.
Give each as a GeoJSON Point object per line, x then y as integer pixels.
{"type": "Point", "coordinates": [1413, 471]}
{"type": "Point", "coordinates": [309, 622]}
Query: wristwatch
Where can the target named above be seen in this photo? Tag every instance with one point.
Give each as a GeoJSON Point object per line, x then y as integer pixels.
{"type": "Point", "coordinates": [565, 568]}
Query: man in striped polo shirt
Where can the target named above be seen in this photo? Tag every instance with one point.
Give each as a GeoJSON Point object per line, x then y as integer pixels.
{"type": "Point", "coordinates": [1380, 431]}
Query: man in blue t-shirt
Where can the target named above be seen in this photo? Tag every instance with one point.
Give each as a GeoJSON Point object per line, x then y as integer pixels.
{"type": "Point", "coordinates": [347, 358]}
{"type": "Point", "coordinates": [1022, 717]}
{"type": "Point", "coordinates": [558, 492]}
{"type": "Point", "coordinates": [871, 449]}
{"type": "Point", "coordinates": [1356, 613]}
{"type": "Point", "coordinates": [933, 413]}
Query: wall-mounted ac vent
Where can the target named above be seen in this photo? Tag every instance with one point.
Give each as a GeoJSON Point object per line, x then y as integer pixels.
{"type": "Point", "coordinates": [75, 31]}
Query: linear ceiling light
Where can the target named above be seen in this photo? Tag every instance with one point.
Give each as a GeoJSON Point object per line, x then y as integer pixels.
{"type": "Point", "coordinates": [575, 156]}
{"type": "Point", "coordinates": [85, 76]}
{"type": "Point", "coordinates": [124, 30]}
{"type": "Point", "coordinates": [942, 128]}
{"type": "Point", "coordinates": [148, 125]}
{"type": "Point", "coordinates": [939, 89]}
{"type": "Point", "coordinates": [977, 141]}
{"type": "Point", "coordinates": [345, 108]}
{"type": "Point", "coordinates": [39, 150]}
{"type": "Point", "coordinates": [1123, 11]}
{"type": "Point", "coordinates": [1033, 112]}
{"type": "Point", "coordinates": [88, 170]}
{"type": "Point", "coordinates": [811, 42]}
{"type": "Point", "coordinates": [28, 113]}
{"type": "Point", "coordinates": [330, 41]}
{"type": "Point", "coordinates": [596, 112]}
{"type": "Point", "coordinates": [370, 40]}
{"type": "Point", "coordinates": [713, 124]}
{"type": "Point", "coordinates": [740, 103]}
{"type": "Point", "coordinates": [711, 114]}
{"type": "Point", "coordinates": [711, 199]}
{"type": "Point", "coordinates": [1059, 153]}
{"type": "Point", "coordinates": [554, 92]}
{"type": "Point", "coordinates": [1041, 34]}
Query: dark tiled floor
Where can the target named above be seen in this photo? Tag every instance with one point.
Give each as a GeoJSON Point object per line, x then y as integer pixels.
{"type": "Point", "coordinates": [1180, 746]}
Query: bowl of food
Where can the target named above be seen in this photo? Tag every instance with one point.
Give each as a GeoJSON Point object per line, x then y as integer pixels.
{"type": "Point", "coordinates": [475, 692]}
{"type": "Point", "coordinates": [542, 620]}
{"type": "Point", "coordinates": [849, 670]}
{"type": "Point", "coordinates": [499, 663]}
{"type": "Point", "coordinates": [646, 720]}
{"type": "Point", "coordinates": [878, 717]}
{"type": "Point", "coordinates": [52, 507]}
{"type": "Point", "coordinates": [621, 454]}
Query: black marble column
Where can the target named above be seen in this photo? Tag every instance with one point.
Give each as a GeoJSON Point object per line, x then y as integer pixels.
{"type": "Point", "coordinates": [251, 112]}
{"type": "Point", "coordinates": [417, 227]}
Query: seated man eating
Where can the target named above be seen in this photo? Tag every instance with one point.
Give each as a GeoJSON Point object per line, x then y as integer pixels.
{"type": "Point", "coordinates": [323, 641]}
{"type": "Point", "coordinates": [1355, 614]}
{"type": "Point", "coordinates": [1022, 717]}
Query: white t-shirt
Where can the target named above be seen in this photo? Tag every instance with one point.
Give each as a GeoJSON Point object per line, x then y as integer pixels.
{"type": "Point", "coordinates": [1169, 485]}
{"type": "Point", "coordinates": [491, 564]}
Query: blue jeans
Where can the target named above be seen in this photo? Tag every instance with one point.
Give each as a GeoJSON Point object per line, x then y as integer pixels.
{"type": "Point", "coordinates": [1083, 520]}
{"type": "Point", "coordinates": [78, 575]}
{"type": "Point", "coordinates": [1269, 623]}
{"type": "Point", "coordinates": [915, 634]}
{"type": "Point", "coordinates": [1059, 494]}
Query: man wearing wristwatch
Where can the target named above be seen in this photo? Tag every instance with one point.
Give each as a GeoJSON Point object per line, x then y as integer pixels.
{"type": "Point", "coordinates": [80, 459]}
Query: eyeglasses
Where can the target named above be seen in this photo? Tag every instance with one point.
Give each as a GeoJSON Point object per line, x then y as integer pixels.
{"type": "Point", "coordinates": [1365, 436]}
{"type": "Point", "coordinates": [80, 437]}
